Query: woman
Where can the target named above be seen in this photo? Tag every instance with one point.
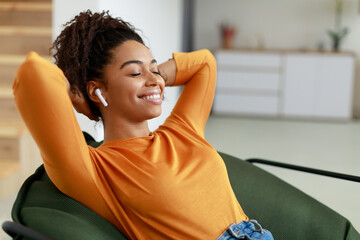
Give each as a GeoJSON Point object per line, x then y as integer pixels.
{"type": "Point", "coordinates": [166, 184]}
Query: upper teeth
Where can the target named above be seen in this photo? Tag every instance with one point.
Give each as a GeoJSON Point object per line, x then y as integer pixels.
{"type": "Point", "coordinates": [155, 96]}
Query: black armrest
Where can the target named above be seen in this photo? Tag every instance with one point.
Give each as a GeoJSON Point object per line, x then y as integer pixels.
{"type": "Point", "coordinates": [15, 229]}
{"type": "Point", "coordinates": [306, 169]}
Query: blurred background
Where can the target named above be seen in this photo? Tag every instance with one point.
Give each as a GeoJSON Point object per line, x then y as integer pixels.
{"type": "Point", "coordinates": [287, 89]}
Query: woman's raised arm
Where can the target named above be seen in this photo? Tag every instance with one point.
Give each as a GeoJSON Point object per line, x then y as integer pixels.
{"type": "Point", "coordinates": [196, 71]}
{"type": "Point", "coordinates": [41, 96]}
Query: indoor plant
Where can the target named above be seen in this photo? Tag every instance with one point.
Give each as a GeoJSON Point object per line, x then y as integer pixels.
{"type": "Point", "coordinates": [339, 32]}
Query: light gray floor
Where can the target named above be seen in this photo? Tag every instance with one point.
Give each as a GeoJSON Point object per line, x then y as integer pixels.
{"type": "Point", "coordinates": [332, 146]}
{"type": "Point", "coordinates": [5, 209]}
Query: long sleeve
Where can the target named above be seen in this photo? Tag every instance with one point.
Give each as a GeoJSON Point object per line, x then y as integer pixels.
{"type": "Point", "coordinates": [42, 100]}
{"type": "Point", "coordinates": [197, 72]}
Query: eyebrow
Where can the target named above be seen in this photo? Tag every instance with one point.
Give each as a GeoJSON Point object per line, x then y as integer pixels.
{"type": "Point", "coordinates": [135, 62]}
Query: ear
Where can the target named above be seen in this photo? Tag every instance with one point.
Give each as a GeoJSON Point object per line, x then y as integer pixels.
{"type": "Point", "coordinates": [91, 87]}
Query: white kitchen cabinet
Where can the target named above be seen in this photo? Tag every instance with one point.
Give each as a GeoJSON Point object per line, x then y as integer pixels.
{"type": "Point", "coordinates": [284, 84]}
{"type": "Point", "coordinates": [318, 85]}
{"type": "Point", "coordinates": [248, 83]}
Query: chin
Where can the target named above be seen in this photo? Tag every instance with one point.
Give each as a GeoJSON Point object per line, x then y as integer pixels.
{"type": "Point", "coordinates": [152, 114]}
{"type": "Point", "coordinates": [155, 114]}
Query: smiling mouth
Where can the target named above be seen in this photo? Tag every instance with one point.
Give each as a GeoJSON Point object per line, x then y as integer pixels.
{"type": "Point", "coordinates": [155, 99]}
{"type": "Point", "coordinates": [154, 96]}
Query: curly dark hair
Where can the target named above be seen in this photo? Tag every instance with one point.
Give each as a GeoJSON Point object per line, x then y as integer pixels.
{"type": "Point", "coordinates": [84, 48]}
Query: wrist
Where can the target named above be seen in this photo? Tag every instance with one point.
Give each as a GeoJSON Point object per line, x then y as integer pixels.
{"type": "Point", "coordinates": [167, 71]}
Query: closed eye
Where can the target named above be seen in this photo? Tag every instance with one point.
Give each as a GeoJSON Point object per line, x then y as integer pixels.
{"type": "Point", "coordinates": [156, 73]}
{"type": "Point", "coordinates": [135, 74]}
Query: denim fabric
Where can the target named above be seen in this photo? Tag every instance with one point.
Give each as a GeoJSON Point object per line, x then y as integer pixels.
{"type": "Point", "coordinates": [246, 230]}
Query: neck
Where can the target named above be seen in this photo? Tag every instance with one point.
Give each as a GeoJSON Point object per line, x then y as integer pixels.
{"type": "Point", "coordinates": [119, 129]}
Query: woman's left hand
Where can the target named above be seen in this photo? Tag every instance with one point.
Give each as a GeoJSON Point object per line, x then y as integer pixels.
{"type": "Point", "coordinates": [167, 71]}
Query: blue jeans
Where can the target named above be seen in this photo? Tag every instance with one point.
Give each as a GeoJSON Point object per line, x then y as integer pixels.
{"type": "Point", "coordinates": [246, 230]}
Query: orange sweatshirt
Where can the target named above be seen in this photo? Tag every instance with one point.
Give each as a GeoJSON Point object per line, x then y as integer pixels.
{"type": "Point", "coordinates": [169, 185]}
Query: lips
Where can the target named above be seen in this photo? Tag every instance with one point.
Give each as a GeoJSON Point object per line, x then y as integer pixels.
{"type": "Point", "coordinates": [153, 96]}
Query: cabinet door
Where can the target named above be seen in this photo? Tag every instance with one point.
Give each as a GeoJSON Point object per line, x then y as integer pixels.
{"type": "Point", "coordinates": [234, 79]}
{"type": "Point", "coordinates": [241, 104]}
{"type": "Point", "coordinates": [248, 59]}
{"type": "Point", "coordinates": [318, 85]}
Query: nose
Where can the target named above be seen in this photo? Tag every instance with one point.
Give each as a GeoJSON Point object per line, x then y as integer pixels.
{"type": "Point", "coordinates": [153, 79]}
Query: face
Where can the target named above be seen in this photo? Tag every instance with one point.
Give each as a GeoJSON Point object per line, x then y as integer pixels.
{"type": "Point", "coordinates": [134, 88]}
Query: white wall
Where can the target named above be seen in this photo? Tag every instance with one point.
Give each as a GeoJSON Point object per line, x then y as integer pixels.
{"type": "Point", "coordinates": [65, 10]}
{"type": "Point", "coordinates": [281, 24]}
{"type": "Point", "coordinates": [160, 25]}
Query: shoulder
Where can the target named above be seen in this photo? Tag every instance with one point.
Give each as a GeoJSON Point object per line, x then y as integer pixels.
{"type": "Point", "coordinates": [175, 124]}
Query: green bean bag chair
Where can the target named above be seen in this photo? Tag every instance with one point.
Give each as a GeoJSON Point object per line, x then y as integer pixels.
{"type": "Point", "coordinates": [281, 208]}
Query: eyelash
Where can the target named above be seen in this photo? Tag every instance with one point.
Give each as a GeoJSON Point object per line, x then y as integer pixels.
{"type": "Point", "coordinates": [138, 74]}
{"type": "Point", "coordinates": [135, 74]}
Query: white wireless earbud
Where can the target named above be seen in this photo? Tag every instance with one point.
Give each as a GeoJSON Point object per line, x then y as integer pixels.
{"type": "Point", "coordinates": [98, 93]}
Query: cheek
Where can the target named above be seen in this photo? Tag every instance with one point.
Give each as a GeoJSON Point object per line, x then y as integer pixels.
{"type": "Point", "coordinates": [123, 91]}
